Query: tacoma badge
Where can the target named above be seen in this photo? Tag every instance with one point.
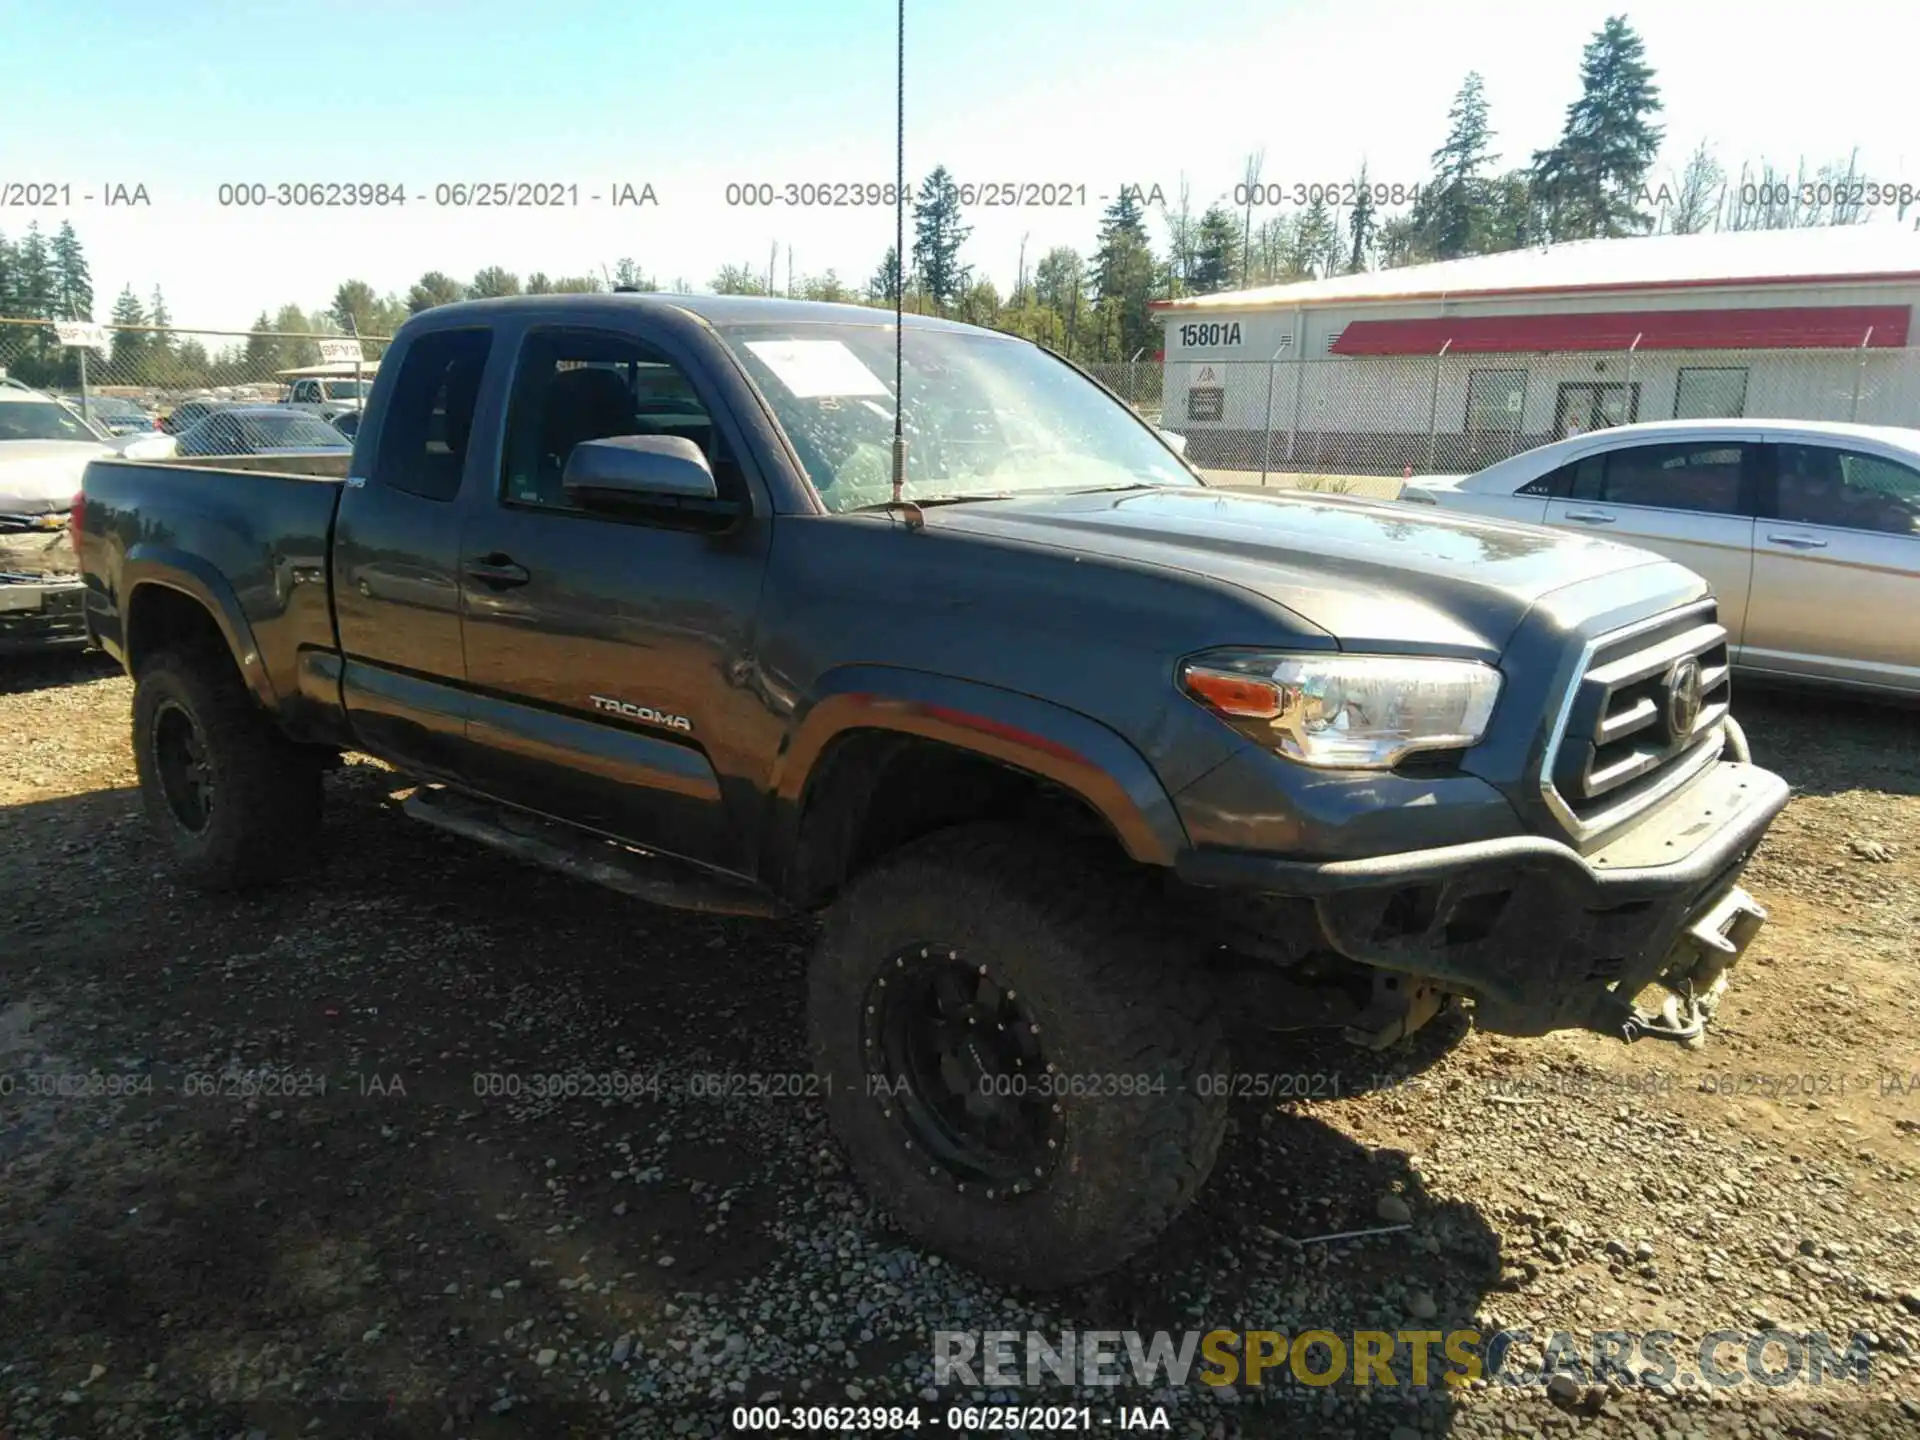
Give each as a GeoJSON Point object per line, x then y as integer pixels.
{"type": "Point", "coordinates": [641, 712]}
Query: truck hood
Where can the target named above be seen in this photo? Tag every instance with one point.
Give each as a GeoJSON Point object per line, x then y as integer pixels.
{"type": "Point", "coordinates": [1373, 574]}
{"type": "Point", "coordinates": [41, 475]}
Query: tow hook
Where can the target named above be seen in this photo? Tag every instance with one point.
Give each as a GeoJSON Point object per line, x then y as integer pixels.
{"type": "Point", "coordinates": [1697, 975]}
{"type": "Point", "coordinates": [1667, 1023]}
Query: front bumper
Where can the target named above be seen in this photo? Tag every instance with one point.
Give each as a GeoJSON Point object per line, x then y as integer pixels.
{"type": "Point", "coordinates": [40, 615]}
{"type": "Point", "coordinates": [1540, 936]}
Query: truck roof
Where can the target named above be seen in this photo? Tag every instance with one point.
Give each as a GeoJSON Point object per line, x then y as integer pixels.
{"type": "Point", "coordinates": [715, 309]}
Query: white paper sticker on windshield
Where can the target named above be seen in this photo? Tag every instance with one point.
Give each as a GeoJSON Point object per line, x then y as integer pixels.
{"type": "Point", "coordinates": [813, 368]}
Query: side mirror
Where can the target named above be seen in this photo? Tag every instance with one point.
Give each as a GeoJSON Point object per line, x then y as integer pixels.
{"type": "Point", "coordinates": [637, 470]}
{"type": "Point", "coordinates": [1178, 442]}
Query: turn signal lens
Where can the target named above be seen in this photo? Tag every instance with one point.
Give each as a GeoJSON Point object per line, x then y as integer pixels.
{"type": "Point", "coordinates": [1236, 695]}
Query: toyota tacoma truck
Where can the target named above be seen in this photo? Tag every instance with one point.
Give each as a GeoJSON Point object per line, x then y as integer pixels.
{"type": "Point", "coordinates": [1077, 755]}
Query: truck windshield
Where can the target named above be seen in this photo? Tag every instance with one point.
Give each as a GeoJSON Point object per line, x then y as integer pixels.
{"type": "Point", "coordinates": [985, 415]}
{"type": "Point", "coordinates": [346, 389]}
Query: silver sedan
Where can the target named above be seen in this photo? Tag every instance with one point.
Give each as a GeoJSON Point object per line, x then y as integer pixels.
{"type": "Point", "coordinates": [1808, 531]}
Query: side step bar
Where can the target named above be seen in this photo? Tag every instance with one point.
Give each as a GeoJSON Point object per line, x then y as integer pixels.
{"type": "Point", "coordinates": [639, 873]}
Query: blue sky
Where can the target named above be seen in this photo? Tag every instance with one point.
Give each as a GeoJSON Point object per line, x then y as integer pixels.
{"type": "Point", "coordinates": [689, 97]}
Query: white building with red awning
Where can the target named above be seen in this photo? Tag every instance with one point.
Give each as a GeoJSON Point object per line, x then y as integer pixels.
{"type": "Point", "coordinates": [1471, 359]}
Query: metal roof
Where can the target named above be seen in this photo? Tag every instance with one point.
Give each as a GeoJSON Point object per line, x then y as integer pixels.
{"type": "Point", "coordinates": [1834, 254]}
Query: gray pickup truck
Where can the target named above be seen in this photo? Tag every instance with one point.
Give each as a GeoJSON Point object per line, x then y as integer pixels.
{"type": "Point", "coordinates": [1079, 756]}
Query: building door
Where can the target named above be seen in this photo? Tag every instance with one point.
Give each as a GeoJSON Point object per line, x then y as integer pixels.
{"type": "Point", "coordinates": [1585, 406]}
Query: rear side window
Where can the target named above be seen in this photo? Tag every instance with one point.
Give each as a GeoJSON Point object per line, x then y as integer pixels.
{"type": "Point", "coordinates": [1847, 489]}
{"type": "Point", "coordinates": [429, 415]}
{"type": "Point", "coordinates": [1702, 476]}
{"type": "Point", "coordinates": [1577, 479]}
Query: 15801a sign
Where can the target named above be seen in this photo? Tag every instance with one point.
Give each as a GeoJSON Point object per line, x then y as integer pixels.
{"type": "Point", "coordinates": [1213, 332]}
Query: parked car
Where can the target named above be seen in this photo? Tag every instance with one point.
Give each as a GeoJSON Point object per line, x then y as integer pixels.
{"type": "Point", "coordinates": [1808, 531]}
{"type": "Point", "coordinates": [260, 430]}
{"type": "Point", "coordinates": [1077, 754]}
{"type": "Point", "coordinates": [189, 413]}
{"type": "Point", "coordinates": [44, 448]}
{"type": "Point", "coordinates": [331, 397]}
{"type": "Point", "coordinates": [115, 415]}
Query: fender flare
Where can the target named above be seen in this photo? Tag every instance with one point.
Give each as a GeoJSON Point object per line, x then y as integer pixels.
{"type": "Point", "coordinates": [1062, 746]}
{"type": "Point", "coordinates": [172, 569]}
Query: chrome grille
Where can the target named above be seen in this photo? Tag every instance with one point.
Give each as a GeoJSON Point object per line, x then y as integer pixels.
{"type": "Point", "coordinates": [1625, 738]}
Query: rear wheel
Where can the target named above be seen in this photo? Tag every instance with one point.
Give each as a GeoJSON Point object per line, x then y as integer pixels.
{"type": "Point", "coordinates": [234, 801]}
{"type": "Point", "coordinates": [1017, 1054]}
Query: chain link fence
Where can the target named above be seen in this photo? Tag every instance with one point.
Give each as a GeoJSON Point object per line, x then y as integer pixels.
{"type": "Point", "coordinates": [1141, 383]}
{"type": "Point", "coordinates": [1349, 416]}
{"type": "Point", "coordinates": [1452, 413]}
{"type": "Point", "coordinates": [148, 371]}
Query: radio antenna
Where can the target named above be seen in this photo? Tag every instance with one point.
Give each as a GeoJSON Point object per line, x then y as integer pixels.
{"type": "Point", "coordinates": [900, 256]}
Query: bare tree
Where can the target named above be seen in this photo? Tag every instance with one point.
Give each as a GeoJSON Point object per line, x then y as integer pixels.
{"type": "Point", "coordinates": [1256, 162]}
{"type": "Point", "coordinates": [1697, 198]}
{"type": "Point", "coordinates": [1770, 199]}
{"type": "Point", "coordinates": [1182, 228]}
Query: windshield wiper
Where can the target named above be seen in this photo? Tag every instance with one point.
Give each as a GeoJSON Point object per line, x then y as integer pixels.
{"type": "Point", "coordinates": [925, 500]}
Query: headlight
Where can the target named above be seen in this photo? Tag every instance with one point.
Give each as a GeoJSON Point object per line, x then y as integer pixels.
{"type": "Point", "coordinates": [1347, 712]}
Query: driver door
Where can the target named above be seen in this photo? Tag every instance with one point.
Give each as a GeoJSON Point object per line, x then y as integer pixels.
{"type": "Point", "coordinates": [601, 648]}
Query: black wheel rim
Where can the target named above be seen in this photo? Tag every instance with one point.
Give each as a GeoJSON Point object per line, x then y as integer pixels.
{"type": "Point", "coordinates": [180, 762]}
{"type": "Point", "coordinates": [954, 1058]}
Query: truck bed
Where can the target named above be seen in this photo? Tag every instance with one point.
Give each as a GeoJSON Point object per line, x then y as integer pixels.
{"type": "Point", "coordinates": [250, 543]}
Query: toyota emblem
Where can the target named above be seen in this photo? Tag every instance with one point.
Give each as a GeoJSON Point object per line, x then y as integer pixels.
{"type": "Point", "coordinates": [1683, 697]}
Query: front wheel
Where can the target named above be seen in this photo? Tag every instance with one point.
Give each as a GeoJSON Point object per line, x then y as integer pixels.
{"type": "Point", "coordinates": [1018, 1057]}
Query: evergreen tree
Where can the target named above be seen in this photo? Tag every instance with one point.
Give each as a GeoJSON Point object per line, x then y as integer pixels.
{"type": "Point", "coordinates": [72, 283]}
{"type": "Point", "coordinates": [9, 273]}
{"type": "Point", "coordinates": [1510, 218]}
{"type": "Point", "coordinates": [1123, 276]}
{"type": "Point", "coordinates": [261, 355]}
{"type": "Point", "coordinates": [296, 350]}
{"type": "Point", "coordinates": [431, 289]}
{"type": "Point", "coordinates": [1452, 206]}
{"type": "Point", "coordinates": [1589, 182]}
{"type": "Point", "coordinates": [1216, 246]}
{"type": "Point", "coordinates": [1360, 224]}
{"type": "Point", "coordinates": [938, 236]}
{"type": "Point", "coordinates": [35, 290]}
{"type": "Point", "coordinates": [129, 354]}
{"type": "Point", "coordinates": [160, 342]}
{"type": "Point", "coordinates": [160, 317]}
{"type": "Point", "coordinates": [884, 287]}
{"type": "Point", "coordinates": [1314, 235]}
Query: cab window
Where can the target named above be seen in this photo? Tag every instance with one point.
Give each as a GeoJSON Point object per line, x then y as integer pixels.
{"type": "Point", "coordinates": [571, 386]}
{"type": "Point", "coordinates": [429, 413]}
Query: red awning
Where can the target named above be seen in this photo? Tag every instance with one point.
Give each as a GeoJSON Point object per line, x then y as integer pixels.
{"type": "Point", "coordinates": [1803, 328]}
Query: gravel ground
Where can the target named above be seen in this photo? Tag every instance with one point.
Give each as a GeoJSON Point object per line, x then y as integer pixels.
{"type": "Point", "coordinates": [346, 1237]}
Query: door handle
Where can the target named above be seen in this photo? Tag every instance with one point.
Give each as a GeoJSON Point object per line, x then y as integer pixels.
{"type": "Point", "coordinates": [1799, 542]}
{"type": "Point", "coordinates": [498, 571]}
{"type": "Point", "coordinates": [1590, 517]}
